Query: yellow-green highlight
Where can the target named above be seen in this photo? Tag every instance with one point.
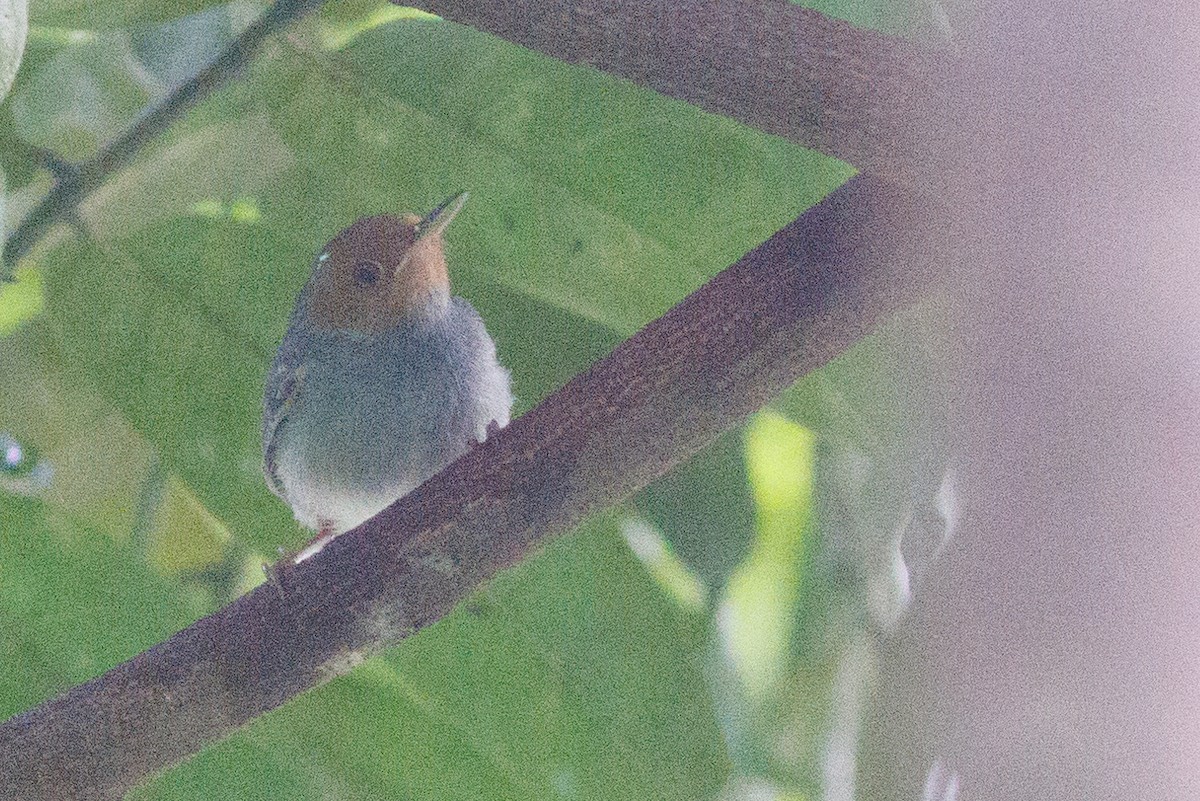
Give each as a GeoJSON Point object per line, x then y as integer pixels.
{"type": "Point", "coordinates": [680, 583]}
{"type": "Point", "coordinates": [242, 210]}
{"type": "Point", "coordinates": [59, 37]}
{"type": "Point", "coordinates": [245, 210]}
{"type": "Point", "coordinates": [20, 299]}
{"type": "Point", "coordinates": [337, 36]}
{"type": "Point", "coordinates": [760, 601]}
{"type": "Point", "coordinates": [185, 536]}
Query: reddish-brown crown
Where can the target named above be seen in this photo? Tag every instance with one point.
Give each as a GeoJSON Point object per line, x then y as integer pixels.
{"type": "Point", "coordinates": [376, 272]}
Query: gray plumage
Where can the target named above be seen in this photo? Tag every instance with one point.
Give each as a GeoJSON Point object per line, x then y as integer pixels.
{"type": "Point", "coordinates": [353, 421]}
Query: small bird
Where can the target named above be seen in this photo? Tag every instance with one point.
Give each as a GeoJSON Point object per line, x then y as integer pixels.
{"type": "Point", "coordinates": [382, 379]}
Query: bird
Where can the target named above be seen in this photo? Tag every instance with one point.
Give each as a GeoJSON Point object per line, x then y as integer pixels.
{"type": "Point", "coordinates": [382, 379]}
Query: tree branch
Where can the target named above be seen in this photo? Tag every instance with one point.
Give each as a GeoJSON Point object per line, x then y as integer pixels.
{"type": "Point", "coordinates": [865, 97]}
{"type": "Point", "coordinates": [72, 185]}
{"type": "Point", "coordinates": [784, 309]}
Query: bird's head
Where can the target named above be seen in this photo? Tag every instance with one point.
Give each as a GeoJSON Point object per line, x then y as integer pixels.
{"type": "Point", "coordinates": [381, 270]}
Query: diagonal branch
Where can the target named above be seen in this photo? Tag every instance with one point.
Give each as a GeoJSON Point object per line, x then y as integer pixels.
{"type": "Point", "coordinates": [76, 182]}
{"type": "Point", "coordinates": [789, 306]}
{"type": "Point", "coordinates": [862, 96]}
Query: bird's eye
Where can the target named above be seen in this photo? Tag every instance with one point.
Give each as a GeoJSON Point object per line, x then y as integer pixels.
{"type": "Point", "coordinates": [366, 273]}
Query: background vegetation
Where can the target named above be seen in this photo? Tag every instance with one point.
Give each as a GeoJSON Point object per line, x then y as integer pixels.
{"type": "Point", "coordinates": [713, 638]}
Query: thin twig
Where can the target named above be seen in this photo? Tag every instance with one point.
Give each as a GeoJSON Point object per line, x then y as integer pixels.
{"type": "Point", "coordinates": [73, 185]}
{"type": "Point", "coordinates": [791, 305]}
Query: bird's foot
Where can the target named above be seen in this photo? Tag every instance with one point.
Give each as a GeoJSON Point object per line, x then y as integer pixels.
{"type": "Point", "coordinates": [279, 573]}
{"type": "Point", "coordinates": [315, 545]}
{"type": "Point", "coordinates": [326, 531]}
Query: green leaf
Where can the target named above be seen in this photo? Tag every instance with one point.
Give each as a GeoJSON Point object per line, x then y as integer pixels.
{"type": "Point", "coordinates": [179, 48]}
{"type": "Point", "coordinates": [762, 597]}
{"type": "Point", "coordinates": [341, 23]}
{"type": "Point", "coordinates": [570, 676]}
{"type": "Point", "coordinates": [117, 14]}
{"type": "Point", "coordinates": [923, 20]}
{"type": "Point", "coordinates": [190, 385]}
{"type": "Point", "coordinates": [99, 464]}
{"type": "Point", "coordinates": [710, 528]}
{"type": "Point", "coordinates": [81, 97]}
{"type": "Point", "coordinates": [21, 299]}
{"type": "Point", "coordinates": [73, 603]}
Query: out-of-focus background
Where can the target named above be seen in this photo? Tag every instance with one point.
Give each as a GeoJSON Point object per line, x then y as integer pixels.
{"type": "Point", "coordinates": [719, 636]}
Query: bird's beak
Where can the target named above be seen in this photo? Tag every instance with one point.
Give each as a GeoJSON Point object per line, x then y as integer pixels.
{"type": "Point", "coordinates": [436, 221]}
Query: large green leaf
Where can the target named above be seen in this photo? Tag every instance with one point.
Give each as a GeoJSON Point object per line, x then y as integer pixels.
{"type": "Point", "coordinates": [104, 92]}
{"type": "Point", "coordinates": [571, 676]}
{"type": "Point", "coordinates": [198, 389]}
{"type": "Point", "coordinates": [710, 529]}
{"type": "Point", "coordinates": [118, 14]}
{"type": "Point", "coordinates": [21, 299]}
{"type": "Point", "coordinates": [98, 464]}
{"type": "Point", "coordinates": [72, 603]}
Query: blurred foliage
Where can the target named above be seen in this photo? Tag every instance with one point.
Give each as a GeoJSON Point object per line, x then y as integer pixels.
{"type": "Point", "coordinates": [569, 676]}
{"type": "Point", "coordinates": [21, 299]}
{"type": "Point", "coordinates": [14, 28]}
{"type": "Point", "coordinates": [707, 640]}
{"type": "Point", "coordinates": [74, 603]}
{"type": "Point", "coordinates": [113, 14]}
{"type": "Point", "coordinates": [105, 89]}
{"type": "Point", "coordinates": [762, 593]}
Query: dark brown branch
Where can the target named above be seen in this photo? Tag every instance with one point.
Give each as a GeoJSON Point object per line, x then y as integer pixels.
{"type": "Point", "coordinates": [784, 309]}
{"type": "Point", "coordinates": [862, 96]}
{"type": "Point", "coordinates": [75, 182]}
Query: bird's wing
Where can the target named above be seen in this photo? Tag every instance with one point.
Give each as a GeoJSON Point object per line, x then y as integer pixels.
{"type": "Point", "coordinates": [284, 384]}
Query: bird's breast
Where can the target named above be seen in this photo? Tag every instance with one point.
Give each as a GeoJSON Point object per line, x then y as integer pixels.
{"type": "Point", "coordinates": [375, 412]}
{"type": "Point", "coordinates": [375, 416]}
